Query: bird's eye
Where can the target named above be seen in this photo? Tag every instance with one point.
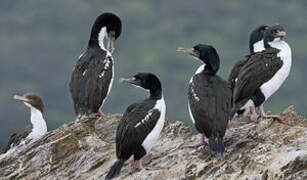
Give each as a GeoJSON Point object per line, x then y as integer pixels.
{"type": "Point", "coordinates": [133, 78]}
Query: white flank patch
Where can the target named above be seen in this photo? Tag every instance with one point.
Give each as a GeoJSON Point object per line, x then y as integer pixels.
{"type": "Point", "coordinates": [193, 93]}
{"type": "Point", "coordinates": [270, 87]}
{"type": "Point", "coordinates": [145, 119]}
{"type": "Point", "coordinates": [84, 72]}
{"type": "Point", "coordinates": [38, 123]}
{"type": "Point", "coordinates": [259, 46]}
{"type": "Point", "coordinates": [153, 136]}
{"type": "Point", "coordinates": [101, 74]}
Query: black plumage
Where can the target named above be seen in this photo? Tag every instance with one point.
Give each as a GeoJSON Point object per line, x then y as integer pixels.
{"type": "Point", "coordinates": [17, 137]}
{"type": "Point", "coordinates": [263, 74]}
{"type": "Point", "coordinates": [140, 125]}
{"type": "Point", "coordinates": [209, 98]}
{"type": "Point", "coordinates": [255, 37]}
{"type": "Point", "coordinates": [92, 77]}
{"type": "Point", "coordinates": [260, 68]}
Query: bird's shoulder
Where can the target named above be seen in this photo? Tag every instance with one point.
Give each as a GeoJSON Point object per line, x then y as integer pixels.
{"type": "Point", "coordinates": [17, 137]}
{"type": "Point", "coordinates": [260, 68]}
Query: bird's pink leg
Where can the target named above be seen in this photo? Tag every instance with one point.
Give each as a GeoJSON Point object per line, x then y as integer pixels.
{"type": "Point", "coordinates": [264, 115]}
{"type": "Point", "coordinates": [254, 116]}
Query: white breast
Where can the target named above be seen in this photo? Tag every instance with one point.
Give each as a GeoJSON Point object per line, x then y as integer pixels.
{"type": "Point", "coordinates": [39, 124]}
{"type": "Point", "coordinates": [270, 87]}
{"type": "Point", "coordinates": [258, 46]}
{"type": "Point", "coordinates": [153, 136]}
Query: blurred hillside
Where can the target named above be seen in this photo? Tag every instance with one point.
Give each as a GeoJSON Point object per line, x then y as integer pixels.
{"type": "Point", "coordinates": [41, 41]}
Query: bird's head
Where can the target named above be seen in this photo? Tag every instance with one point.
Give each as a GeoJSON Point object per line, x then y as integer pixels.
{"type": "Point", "coordinates": [31, 100]}
{"type": "Point", "coordinates": [274, 33]}
{"type": "Point", "coordinates": [257, 35]}
{"type": "Point", "coordinates": [205, 53]}
{"type": "Point", "coordinates": [107, 25]}
{"type": "Point", "coordinates": [147, 81]}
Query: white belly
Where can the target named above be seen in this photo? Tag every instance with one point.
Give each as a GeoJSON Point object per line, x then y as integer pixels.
{"type": "Point", "coordinates": [270, 87]}
{"type": "Point", "coordinates": [153, 136]}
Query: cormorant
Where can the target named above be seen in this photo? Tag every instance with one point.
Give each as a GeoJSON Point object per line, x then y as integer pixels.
{"type": "Point", "coordinates": [38, 126]}
{"type": "Point", "coordinates": [263, 74]}
{"type": "Point", "coordinates": [93, 75]}
{"type": "Point", "coordinates": [140, 126]}
{"type": "Point", "coordinates": [255, 45]}
{"type": "Point", "coordinates": [209, 98]}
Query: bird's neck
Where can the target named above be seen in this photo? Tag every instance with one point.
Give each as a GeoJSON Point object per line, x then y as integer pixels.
{"type": "Point", "coordinates": [284, 49]}
{"type": "Point", "coordinates": [97, 38]}
{"type": "Point", "coordinates": [209, 70]}
{"type": "Point", "coordinates": [38, 122]}
{"type": "Point", "coordinates": [155, 93]}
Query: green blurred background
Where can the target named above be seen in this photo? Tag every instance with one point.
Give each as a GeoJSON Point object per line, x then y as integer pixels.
{"type": "Point", "coordinates": [42, 39]}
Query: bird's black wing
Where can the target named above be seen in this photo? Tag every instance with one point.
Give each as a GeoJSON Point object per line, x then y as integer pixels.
{"type": "Point", "coordinates": [260, 68]}
{"type": "Point", "coordinates": [134, 127]}
{"type": "Point", "coordinates": [210, 104]}
{"type": "Point", "coordinates": [17, 137]}
{"type": "Point", "coordinates": [234, 73]}
{"type": "Point", "coordinates": [90, 81]}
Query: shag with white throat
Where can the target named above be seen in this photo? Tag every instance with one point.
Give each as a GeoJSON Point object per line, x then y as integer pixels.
{"type": "Point", "coordinates": [263, 74]}
{"type": "Point", "coordinates": [255, 45]}
{"type": "Point", "coordinates": [38, 126]}
{"type": "Point", "coordinates": [93, 75]}
{"type": "Point", "coordinates": [209, 98]}
{"type": "Point", "coordinates": [140, 126]}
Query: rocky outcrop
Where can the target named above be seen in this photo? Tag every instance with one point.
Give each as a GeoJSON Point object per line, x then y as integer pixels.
{"type": "Point", "coordinates": [263, 150]}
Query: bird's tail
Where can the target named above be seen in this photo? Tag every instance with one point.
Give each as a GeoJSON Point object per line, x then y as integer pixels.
{"type": "Point", "coordinates": [216, 146]}
{"type": "Point", "coordinates": [115, 169]}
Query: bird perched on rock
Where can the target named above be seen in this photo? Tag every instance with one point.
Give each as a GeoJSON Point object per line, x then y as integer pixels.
{"type": "Point", "coordinates": [209, 98]}
{"type": "Point", "coordinates": [38, 126]}
{"type": "Point", "coordinates": [93, 75]}
{"type": "Point", "coordinates": [263, 74]}
{"type": "Point", "coordinates": [255, 45]}
{"type": "Point", "coordinates": [141, 125]}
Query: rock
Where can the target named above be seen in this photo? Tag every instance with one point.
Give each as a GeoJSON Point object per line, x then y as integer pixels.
{"type": "Point", "coordinates": [263, 150]}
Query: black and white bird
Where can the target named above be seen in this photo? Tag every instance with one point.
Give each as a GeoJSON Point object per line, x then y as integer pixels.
{"type": "Point", "coordinates": [93, 75]}
{"type": "Point", "coordinates": [255, 45]}
{"type": "Point", "coordinates": [209, 98]}
{"type": "Point", "coordinates": [263, 74]}
{"type": "Point", "coordinates": [38, 126]}
{"type": "Point", "coordinates": [140, 126]}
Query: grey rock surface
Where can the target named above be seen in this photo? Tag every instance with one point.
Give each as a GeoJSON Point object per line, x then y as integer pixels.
{"type": "Point", "coordinates": [262, 150]}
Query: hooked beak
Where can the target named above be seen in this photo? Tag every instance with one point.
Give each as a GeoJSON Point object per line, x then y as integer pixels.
{"type": "Point", "coordinates": [281, 33]}
{"type": "Point", "coordinates": [128, 80]}
{"type": "Point", "coordinates": [111, 41]}
{"type": "Point", "coordinates": [21, 98]}
{"type": "Point", "coordinates": [190, 51]}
